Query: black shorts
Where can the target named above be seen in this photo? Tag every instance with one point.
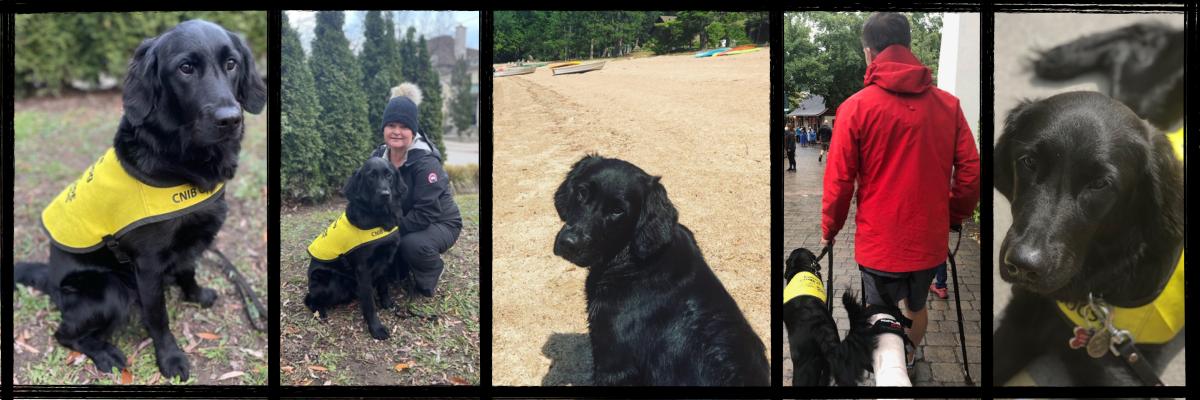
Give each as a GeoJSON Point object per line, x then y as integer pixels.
{"type": "Point", "coordinates": [824, 145]}
{"type": "Point", "coordinates": [896, 286]}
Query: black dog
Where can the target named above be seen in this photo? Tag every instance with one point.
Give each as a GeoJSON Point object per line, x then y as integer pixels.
{"type": "Point", "coordinates": [813, 335]}
{"type": "Point", "coordinates": [364, 270]}
{"type": "Point", "coordinates": [657, 314]}
{"type": "Point", "coordinates": [1143, 64]}
{"type": "Point", "coordinates": [1097, 204]}
{"type": "Point", "coordinates": [184, 96]}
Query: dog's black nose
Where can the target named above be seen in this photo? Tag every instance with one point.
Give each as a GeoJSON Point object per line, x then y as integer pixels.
{"type": "Point", "coordinates": [1024, 262]}
{"type": "Point", "coordinates": [228, 118]}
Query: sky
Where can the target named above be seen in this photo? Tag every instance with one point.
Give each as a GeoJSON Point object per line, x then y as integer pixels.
{"type": "Point", "coordinates": [429, 23]}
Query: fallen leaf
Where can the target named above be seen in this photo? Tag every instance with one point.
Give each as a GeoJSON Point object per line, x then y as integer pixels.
{"type": "Point", "coordinates": [208, 336]}
{"type": "Point", "coordinates": [230, 375]}
{"type": "Point", "coordinates": [257, 354]}
{"type": "Point", "coordinates": [458, 380]}
{"type": "Point", "coordinates": [74, 358]}
{"type": "Point", "coordinates": [126, 377]}
{"type": "Point", "coordinates": [287, 369]}
{"type": "Point", "coordinates": [317, 368]}
{"type": "Point", "coordinates": [401, 367]}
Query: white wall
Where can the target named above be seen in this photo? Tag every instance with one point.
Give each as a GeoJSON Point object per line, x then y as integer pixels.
{"type": "Point", "coordinates": [958, 64]}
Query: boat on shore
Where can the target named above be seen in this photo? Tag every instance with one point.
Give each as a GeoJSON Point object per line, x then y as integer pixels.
{"type": "Point", "coordinates": [510, 71]}
{"type": "Point", "coordinates": [575, 69]}
{"type": "Point", "coordinates": [710, 52]}
{"type": "Point", "coordinates": [563, 64]}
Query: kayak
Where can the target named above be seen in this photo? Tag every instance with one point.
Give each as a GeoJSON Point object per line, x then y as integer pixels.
{"type": "Point", "coordinates": [709, 53]}
{"type": "Point", "coordinates": [563, 64]}
{"type": "Point", "coordinates": [574, 69]}
{"type": "Point", "coordinates": [510, 71]}
{"type": "Point", "coordinates": [732, 52]}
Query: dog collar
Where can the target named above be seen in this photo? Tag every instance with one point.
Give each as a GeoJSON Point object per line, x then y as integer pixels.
{"type": "Point", "coordinates": [804, 284]}
{"type": "Point", "coordinates": [1154, 323]}
{"type": "Point", "coordinates": [106, 202]}
{"type": "Point", "coordinates": [342, 237]}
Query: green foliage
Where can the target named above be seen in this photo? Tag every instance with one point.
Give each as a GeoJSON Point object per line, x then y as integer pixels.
{"type": "Point", "coordinates": [430, 110]}
{"type": "Point", "coordinates": [54, 49]}
{"type": "Point", "coordinates": [464, 178]}
{"type": "Point", "coordinates": [668, 37]}
{"type": "Point", "coordinates": [343, 123]}
{"type": "Point", "coordinates": [462, 106]}
{"type": "Point", "coordinates": [300, 160]}
{"type": "Point", "coordinates": [378, 78]}
{"type": "Point", "coordinates": [560, 35]}
{"type": "Point", "coordinates": [823, 52]}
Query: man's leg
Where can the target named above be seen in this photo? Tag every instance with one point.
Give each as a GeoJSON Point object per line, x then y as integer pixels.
{"type": "Point", "coordinates": [915, 305]}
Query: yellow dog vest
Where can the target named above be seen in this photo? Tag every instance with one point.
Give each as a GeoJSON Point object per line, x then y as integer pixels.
{"type": "Point", "coordinates": [106, 202]}
{"type": "Point", "coordinates": [804, 284]}
{"type": "Point", "coordinates": [1154, 323]}
{"type": "Point", "coordinates": [342, 237]}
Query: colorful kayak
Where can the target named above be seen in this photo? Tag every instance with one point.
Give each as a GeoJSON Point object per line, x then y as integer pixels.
{"type": "Point", "coordinates": [732, 52]}
{"type": "Point", "coordinates": [709, 53]}
{"type": "Point", "coordinates": [563, 64]}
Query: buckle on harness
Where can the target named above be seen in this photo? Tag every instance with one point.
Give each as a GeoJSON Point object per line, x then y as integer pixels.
{"type": "Point", "coordinates": [115, 247]}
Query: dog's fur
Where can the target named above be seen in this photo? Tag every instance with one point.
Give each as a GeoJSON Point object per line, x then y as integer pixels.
{"type": "Point", "coordinates": [657, 314]}
{"type": "Point", "coordinates": [1097, 204]}
{"type": "Point", "coordinates": [375, 193]}
{"type": "Point", "coordinates": [177, 128]}
{"type": "Point", "coordinates": [817, 353]}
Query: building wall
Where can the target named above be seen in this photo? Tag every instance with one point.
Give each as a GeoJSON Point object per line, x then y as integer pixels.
{"type": "Point", "coordinates": [959, 65]}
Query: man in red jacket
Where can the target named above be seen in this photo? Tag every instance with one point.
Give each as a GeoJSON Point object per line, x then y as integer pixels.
{"type": "Point", "coordinates": [909, 148]}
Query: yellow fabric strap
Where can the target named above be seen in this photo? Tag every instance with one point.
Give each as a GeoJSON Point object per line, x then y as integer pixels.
{"type": "Point", "coordinates": [1176, 139]}
{"type": "Point", "coordinates": [341, 237]}
{"type": "Point", "coordinates": [804, 284]}
{"type": "Point", "coordinates": [107, 201]}
{"type": "Point", "coordinates": [1154, 323]}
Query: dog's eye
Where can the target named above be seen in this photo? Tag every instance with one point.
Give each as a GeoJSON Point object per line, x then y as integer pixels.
{"type": "Point", "coordinates": [616, 211]}
{"type": "Point", "coordinates": [1099, 184]}
{"type": "Point", "coordinates": [187, 69]}
{"type": "Point", "coordinates": [230, 64]}
{"type": "Point", "coordinates": [1028, 162]}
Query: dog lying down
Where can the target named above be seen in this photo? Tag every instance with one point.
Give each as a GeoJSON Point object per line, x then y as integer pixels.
{"type": "Point", "coordinates": [657, 315]}
{"type": "Point", "coordinates": [817, 353]}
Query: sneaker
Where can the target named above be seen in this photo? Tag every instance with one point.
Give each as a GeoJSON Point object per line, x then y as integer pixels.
{"type": "Point", "coordinates": [940, 292]}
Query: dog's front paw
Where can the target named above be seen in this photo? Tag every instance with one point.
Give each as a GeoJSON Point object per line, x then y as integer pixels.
{"type": "Point", "coordinates": [173, 363]}
{"type": "Point", "coordinates": [205, 297]}
{"type": "Point", "coordinates": [387, 303]}
{"type": "Point", "coordinates": [108, 359]}
{"type": "Point", "coordinates": [378, 331]}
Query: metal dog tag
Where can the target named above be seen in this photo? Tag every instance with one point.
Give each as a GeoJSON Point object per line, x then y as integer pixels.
{"type": "Point", "coordinates": [1099, 344]}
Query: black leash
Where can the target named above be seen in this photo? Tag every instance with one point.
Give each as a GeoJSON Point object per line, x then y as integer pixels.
{"type": "Point", "coordinates": [828, 249]}
{"type": "Point", "coordinates": [255, 312]}
{"type": "Point", "coordinates": [962, 338]}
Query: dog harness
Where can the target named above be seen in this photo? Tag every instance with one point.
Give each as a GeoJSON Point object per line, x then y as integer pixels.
{"type": "Point", "coordinates": [106, 202]}
{"type": "Point", "coordinates": [804, 284]}
{"type": "Point", "coordinates": [342, 237]}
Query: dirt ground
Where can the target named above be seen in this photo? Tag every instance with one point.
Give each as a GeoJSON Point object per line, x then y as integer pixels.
{"type": "Point", "coordinates": [700, 123]}
{"type": "Point", "coordinates": [55, 140]}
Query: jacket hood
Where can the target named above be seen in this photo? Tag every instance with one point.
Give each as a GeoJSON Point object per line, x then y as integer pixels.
{"type": "Point", "coordinates": [896, 69]}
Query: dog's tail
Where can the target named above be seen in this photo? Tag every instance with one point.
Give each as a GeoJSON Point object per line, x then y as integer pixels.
{"type": "Point", "coordinates": [849, 358]}
{"type": "Point", "coordinates": [34, 275]}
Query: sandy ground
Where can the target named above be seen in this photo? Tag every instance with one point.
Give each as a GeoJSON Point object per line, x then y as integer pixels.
{"type": "Point", "coordinates": [702, 124]}
{"type": "Point", "coordinates": [1017, 36]}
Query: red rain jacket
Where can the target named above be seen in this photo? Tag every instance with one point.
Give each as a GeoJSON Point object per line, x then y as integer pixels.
{"type": "Point", "coordinates": [900, 139]}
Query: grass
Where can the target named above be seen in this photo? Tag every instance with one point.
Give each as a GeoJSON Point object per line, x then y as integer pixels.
{"type": "Point", "coordinates": [436, 341]}
{"type": "Point", "coordinates": [55, 139]}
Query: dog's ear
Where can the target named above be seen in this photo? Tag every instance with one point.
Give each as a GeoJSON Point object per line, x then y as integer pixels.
{"type": "Point", "coordinates": [251, 91]}
{"type": "Point", "coordinates": [789, 267]}
{"type": "Point", "coordinates": [1159, 195]}
{"type": "Point", "coordinates": [1002, 162]}
{"type": "Point", "coordinates": [142, 86]}
{"type": "Point", "coordinates": [353, 191]}
{"type": "Point", "coordinates": [564, 197]}
{"type": "Point", "coordinates": [656, 222]}
{"type": "Point", "coordinates": [89, 283]}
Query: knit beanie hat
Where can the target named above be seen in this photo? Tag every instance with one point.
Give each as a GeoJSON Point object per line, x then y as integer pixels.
{"type": "Point", "coordinates": [402, 107]}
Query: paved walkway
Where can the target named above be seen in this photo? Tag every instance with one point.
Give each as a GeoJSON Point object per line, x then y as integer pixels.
{"type": "Point", "coordinates": [802, 228]}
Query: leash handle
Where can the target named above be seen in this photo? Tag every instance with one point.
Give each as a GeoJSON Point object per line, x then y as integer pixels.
{"type": "Point", "coordinates": [962, 337]}
{"type": "Point", "coordinates": [829, 288]}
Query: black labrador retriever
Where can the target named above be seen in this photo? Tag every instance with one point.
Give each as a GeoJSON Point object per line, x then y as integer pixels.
{"type": "Point", "coordinates": [184, 96]}
{"type": "Point", "coordinates": [360, 247]}
{"type": "Point", "coordinates": [657, 314]}
{"type": "Point", "coordinates": [817, 352]}
{"type": "Point", "coordinates": [1097, 204]}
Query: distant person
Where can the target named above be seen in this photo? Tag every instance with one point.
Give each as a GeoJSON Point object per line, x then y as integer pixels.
{"type": "Point", "coordinates": [801, 136]}
{"type": "Point", "coordinates": [824, 135]}
{"type": "Point", "coordinates": [790, 140]}
{"type": "Point", "coordinates": [909, 149]}
{"type": "Point", "coordinates": [431, 222]}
